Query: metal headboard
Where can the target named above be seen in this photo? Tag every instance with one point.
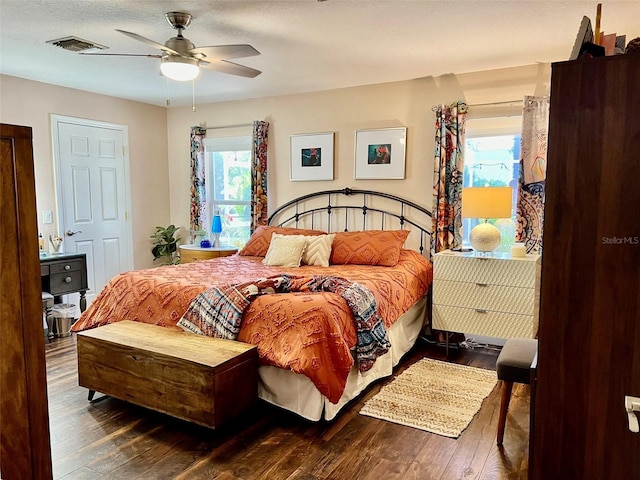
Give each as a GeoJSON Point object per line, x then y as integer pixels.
{"type": "Point", "coordinates": [334, 210]}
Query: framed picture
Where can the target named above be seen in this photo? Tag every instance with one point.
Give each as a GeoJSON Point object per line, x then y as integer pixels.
{"type": "Point", "coordinates": [312, 157]}
{"type": "Point", "coordinates": [380, 153]}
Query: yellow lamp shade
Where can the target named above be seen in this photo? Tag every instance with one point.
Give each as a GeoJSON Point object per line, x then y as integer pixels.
{"type": "Point", "coordinates": [486, 202]}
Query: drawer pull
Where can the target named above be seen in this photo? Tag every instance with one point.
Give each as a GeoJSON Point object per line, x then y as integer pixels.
{"type": "Point", "coordinates": [480, 310]}
{"type": "Point", "coordinates": [482, 284]}
{"type": "Point", "coordinates": [67, 267]}
{"type": "Point", "coordinates": [67, 280]}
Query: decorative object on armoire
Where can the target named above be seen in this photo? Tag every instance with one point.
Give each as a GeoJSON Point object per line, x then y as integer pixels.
{"type": "Point", "coordinates": [533, 172]}
{"type": "Point", "coordinates": [448, 165]}
{"type": "Point", "coordinates": [486, 203]}
{"type": "Point", "coordinates": [434, 396]}
{"type": "Point", "coordinates": [633, 46]}
{"type": "Point", "coordinates": [216, 228]}
{"type": "Point", "coordinates": [206, 243]}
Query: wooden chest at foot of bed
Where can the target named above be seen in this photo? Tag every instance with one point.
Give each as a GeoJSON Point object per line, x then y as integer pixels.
{"type": "Point", "coordinates": [203, 380]}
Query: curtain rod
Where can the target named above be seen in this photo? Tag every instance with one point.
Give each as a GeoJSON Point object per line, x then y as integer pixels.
{"type": "Point", "coordinates": [435, 107]}
{"type": "Point", "coordinates": [230, 126]}
{"type": "Point", "coordinates": [494, 103]}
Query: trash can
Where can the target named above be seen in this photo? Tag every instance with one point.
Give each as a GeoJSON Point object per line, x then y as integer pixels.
{"type": "Point", "coordinates": [62, 317]}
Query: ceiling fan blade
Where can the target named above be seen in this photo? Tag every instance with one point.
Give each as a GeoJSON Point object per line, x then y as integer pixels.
{"type": "Point", "coordinates": [151, 43]}
{"type": "Point", "coordinates": [121, 55]}
{"type": "Point", "coordinates": [221, 52]}
{"type": "Point", "coordinates": [231, 68]}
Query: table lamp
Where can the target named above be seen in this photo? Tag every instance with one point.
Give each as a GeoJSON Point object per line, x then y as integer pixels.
{"type": "Point", "coordinates": [486, 202]}
{"type": "Point", "coordinates": [216, 229]}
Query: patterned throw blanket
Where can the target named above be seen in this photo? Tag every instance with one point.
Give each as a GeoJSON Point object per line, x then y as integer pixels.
{"type": "Point", "coordinates": [217, 312]}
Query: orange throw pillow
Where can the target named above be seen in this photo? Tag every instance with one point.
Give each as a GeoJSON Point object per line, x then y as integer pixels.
{"type": "Point", "coordinates": [372, 247]}
{"type": "Point", "coordinates": [258, 244]}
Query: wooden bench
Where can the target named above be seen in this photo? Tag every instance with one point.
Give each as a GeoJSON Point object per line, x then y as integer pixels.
{"type": "Point", "coordinates": [203, 380]}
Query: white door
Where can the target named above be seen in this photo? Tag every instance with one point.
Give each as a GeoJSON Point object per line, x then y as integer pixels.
{"type": "Point", "coordinates": [93, 196]}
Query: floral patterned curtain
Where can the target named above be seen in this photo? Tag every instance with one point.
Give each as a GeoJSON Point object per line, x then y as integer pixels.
{"type": "Point", "coordinates": [447, 176]}
{"type": "Point", "coordinates": [533, 172]}
{"type": "Point", "coordinates": [198, 207]}
{"type": "Point", "coordinates": [259, 175]}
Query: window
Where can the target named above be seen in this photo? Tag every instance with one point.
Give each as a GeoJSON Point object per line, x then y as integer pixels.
{"type": "Point", "coordinates": [228, 184]}
{"type": "Point", "coordinates": [492, 158]}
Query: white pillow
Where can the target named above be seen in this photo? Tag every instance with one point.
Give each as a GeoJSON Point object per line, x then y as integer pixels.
{"type": "Point", "coordinates": [285, 250]}
{"type": "Point", "coordinates": [318, 250]}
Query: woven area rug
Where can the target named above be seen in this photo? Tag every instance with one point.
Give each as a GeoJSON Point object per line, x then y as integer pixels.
{"type": "Point", "coordinates": [435, 396]}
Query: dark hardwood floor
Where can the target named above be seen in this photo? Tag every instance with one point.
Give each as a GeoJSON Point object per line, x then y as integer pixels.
{"type": "Point", "coordinates": [111, 439]}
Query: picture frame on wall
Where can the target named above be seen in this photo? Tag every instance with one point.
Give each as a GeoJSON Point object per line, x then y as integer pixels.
{"type": "Point", "coordinates": [311, 157]}
{"type": "Point", "coordinates": [380, 153]}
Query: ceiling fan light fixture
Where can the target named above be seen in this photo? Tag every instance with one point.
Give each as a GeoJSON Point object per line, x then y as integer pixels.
{"type": "Point", "coordinates": [179, 68]}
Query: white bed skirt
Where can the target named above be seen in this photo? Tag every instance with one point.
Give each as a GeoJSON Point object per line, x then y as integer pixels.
{"type": "Point", "coordinates": [296, 393]}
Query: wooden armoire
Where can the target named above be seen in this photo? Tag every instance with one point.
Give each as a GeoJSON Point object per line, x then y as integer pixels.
{"type": "Point", "coordinates": [589, 337]}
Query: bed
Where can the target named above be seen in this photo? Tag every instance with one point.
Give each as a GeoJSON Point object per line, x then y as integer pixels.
{"type": "Point", "coordinates": [307, 340]}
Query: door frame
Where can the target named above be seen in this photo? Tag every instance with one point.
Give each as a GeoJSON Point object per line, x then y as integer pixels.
{"type": "Point", "coordinates": [56, 120]}
{"type": "Point", "coordinates": [25, 447]}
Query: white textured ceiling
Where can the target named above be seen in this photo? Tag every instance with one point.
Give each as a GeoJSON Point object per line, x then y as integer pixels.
{"type": "Point", "coordinates": [305, 45]}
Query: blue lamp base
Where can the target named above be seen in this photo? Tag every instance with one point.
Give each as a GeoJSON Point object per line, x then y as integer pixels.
{"type": "Point", "coordinates": [216, 229]}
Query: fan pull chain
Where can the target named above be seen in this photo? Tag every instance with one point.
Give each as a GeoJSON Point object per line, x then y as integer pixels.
{"type": "Point", "coordinates": [168, 99]}
{"type": "Point", "coordinates": [193, 95]}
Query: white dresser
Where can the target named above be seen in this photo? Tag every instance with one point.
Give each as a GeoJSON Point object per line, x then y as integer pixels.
{"type": "Point", "coordinates": [489, 296]}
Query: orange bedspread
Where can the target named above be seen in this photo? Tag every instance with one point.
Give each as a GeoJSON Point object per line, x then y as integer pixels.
{"type": "Point", "coordinates": [308, 333]}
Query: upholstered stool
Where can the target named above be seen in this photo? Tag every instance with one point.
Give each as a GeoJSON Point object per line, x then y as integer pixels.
{"type": "Point", "coordinates": [513, 365]}
{"type": "Point", "coordinates": [47, 305]}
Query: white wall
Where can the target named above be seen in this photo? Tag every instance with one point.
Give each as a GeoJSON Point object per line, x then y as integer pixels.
{"type": "Point", "coordinates": [24, 102]}
{"type": "Point", "coordinates": [343, 111]}
{"type": "Point", "coordinates": [159, 138]}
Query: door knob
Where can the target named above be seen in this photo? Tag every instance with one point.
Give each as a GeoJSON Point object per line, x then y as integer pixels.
{"type": "Point", "coordinates": [71, 232]}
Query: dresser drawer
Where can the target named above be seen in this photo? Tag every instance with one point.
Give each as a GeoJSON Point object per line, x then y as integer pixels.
{"type": "Point", "coordinates": [493, 271]}
{"type": "Point", "coordinates": [487, 323]}
{"type": "Point", "coordinates": [484, 296]}
{"type": "Point", "coordinates": [68, 266]}
{"type": "Point", "coordinates": [61, 283]}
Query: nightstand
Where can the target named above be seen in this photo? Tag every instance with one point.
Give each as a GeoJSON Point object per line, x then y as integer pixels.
{"type": "Point", "coordinates": [64, 273]}
{"type": "Point", "coordinates": [193, 253]}
{"type": "Point", "coordinates": [493, 296]}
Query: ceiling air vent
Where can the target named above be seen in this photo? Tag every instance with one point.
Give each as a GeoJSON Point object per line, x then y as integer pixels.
{"type": "Point", "coordinates": [76, 44]}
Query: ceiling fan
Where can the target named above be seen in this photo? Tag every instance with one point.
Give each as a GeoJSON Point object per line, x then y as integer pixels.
{"type": "Point", "coordinates": [181, 59]}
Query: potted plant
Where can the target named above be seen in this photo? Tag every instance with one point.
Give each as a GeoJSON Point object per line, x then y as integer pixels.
{"type": "Point", "coordinates": [165, 245]}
